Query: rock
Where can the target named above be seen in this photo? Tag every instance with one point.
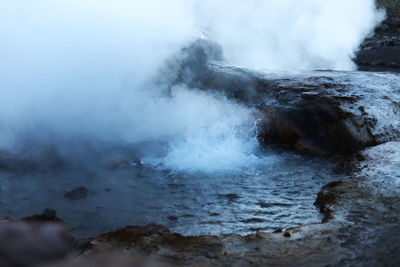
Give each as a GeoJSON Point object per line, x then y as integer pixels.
{"type": "Point", "coordinates": [326, 197]}
{"type": "Point", "coordinates": [382, 27]}
{"type": "Point", "coordinates": [378, 63]}
{"type": "Point", "coordinates": [32, 244]}
{"type": "Point", "coordinates": [287, 234]}
{"type": "Point", "coordinates": [316, 112]}
{"type": "Point", "coordinates": [48, 215]}
{"type": "Point", "coordinates": [392, 22]}
{"type": "Point", "coordinates": [382, 48]}
{"type": "Point", "coordinates": [172, 218]}
{"type": "Point", "coordinates": [77, 193]}
{"type": "Point", "coordinates": [340, 167]}
{"type": "Point", "coordinates": [311, 145]}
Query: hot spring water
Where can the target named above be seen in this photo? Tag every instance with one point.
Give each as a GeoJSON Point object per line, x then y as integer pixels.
{"type": "Point", "coordinates": [276, 192]}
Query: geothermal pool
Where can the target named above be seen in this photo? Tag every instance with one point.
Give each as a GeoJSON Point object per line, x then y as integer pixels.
{"type": "Point", "coordinates": [276, 194]}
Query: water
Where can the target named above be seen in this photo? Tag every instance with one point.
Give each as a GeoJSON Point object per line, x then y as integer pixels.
{"type": "Point", "coordinates": [205, 173]}
{"type": "Point", "coordinates": [279, 193]}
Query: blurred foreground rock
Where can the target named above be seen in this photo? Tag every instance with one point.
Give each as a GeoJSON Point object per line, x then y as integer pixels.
{"type": "Point", "coordinates": [33, 241]}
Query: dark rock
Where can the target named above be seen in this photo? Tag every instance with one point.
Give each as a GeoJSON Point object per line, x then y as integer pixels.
{"type": "Point", "coordinates": [333, 184]}
{"type": "Point", "coordinates": [287, 234]}
{"type": "Point", "coordinates": [392, 22]}
{"type": "Point", "coordinates": [48, 215]}
{"type": "Point", "coordinates": [78, 193]}
{"type": "Point", "coordinates": [326, 197]}
{"type": "Point", "coordinates": [378, 63]}
{"type": "Point", "coordinates": [24, 244]}
{"type": "Point", "coordinates": [150, 239]}
{"type": "Point", "coordinates": [131, 234]}
{"type": "Point", "coordinates": [377, 51]}
{"type": "Point", "coordinates": [341, 167]}
{"type": "Point", "coordinates": [311, 145]}
{"type": "Point", "coordinates": [172, 218]}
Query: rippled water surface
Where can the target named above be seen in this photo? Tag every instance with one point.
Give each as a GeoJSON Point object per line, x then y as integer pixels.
{"type": "Point", "coordinates": [279, 193]}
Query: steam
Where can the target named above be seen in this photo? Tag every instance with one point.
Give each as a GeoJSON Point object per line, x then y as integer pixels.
{"type": "Point", "coordinates": [85, 69]}
{"type": "Point", "coordinates": [290, 34]}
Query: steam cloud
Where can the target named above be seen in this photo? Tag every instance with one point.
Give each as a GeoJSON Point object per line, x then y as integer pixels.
{"type": "Point", "coordinates": [84, 69]}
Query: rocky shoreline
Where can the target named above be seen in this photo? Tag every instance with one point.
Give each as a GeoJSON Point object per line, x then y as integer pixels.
{"type": "Point", "coordinates": [361, 227]}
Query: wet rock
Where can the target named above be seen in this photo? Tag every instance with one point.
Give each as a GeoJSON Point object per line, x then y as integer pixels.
{"type": "Point", "coordinates": [287, 234]}
{"type": "Point", "coordinates": [172, 218]}
{"type": "Point", "coordinates": [311, 145]}
{"type": "Point", "coordinates": [341, 167]}
{"type": "Point", "coordinates": [77, 193]}
{"type": "Point", "coordinates": [326, 197]}
{"type": "Point", "coordinates": [316, 113]}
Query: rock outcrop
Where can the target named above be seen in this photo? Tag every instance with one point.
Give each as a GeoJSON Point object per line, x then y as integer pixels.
{"type": "Point", "coordinates": [381, 51]}
{"type": "Point", "coordinates": [322, 112]}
